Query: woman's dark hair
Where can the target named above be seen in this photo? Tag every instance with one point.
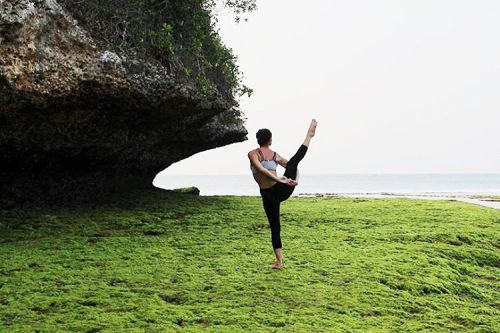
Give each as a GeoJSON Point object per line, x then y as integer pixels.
{"type": "Point", "coordinates": [263, 136]}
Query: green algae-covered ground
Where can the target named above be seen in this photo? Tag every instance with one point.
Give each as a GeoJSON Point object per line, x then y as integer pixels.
{"type": "Point", "coordinates": [176, 262]}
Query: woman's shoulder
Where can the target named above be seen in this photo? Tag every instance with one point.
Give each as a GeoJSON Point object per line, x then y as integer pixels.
{"type": "Point", "coordinates": [253, 152]}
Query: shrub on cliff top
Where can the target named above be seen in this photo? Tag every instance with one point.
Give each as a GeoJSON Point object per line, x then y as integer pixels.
{"type": "Point", "coordinates": [179, 34]}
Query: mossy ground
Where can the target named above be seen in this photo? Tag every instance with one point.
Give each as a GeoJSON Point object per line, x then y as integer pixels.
{"type": "Point", "coordinates": [169, 262]}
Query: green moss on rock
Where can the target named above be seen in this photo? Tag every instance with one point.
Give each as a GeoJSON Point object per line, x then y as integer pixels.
{"type": "Point", "coordinates": [188, 190]}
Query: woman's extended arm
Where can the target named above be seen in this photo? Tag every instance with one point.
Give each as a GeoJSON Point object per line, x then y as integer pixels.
{"type": "Point", "coordinates": [254, 159]}
{"type": "Point", "coordinates": [284, 162]}
{"type": "Point", "coordinates": [281, 160]}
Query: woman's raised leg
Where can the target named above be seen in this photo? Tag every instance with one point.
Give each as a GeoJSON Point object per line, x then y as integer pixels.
{"type": "Point", "coordinates": [293, 163]}
{"type": "Point", "coordinates": [285, 191]}
{"type": "Point", "coordinates": [291, 166]}
{"type": "Point", "coordinates": [310, 132]}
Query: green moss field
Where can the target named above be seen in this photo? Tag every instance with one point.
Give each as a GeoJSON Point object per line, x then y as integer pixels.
{"type": "Point", "coordinates": [159, 261]}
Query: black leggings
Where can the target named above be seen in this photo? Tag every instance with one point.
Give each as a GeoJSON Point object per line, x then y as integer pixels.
{"type": "Point", "coordinates": [274, 195]}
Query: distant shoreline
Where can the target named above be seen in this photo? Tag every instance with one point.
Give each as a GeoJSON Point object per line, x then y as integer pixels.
{"type": "Point", "coordinates": [474, 188]}
{"type": "Point", "coordinates": [487, 200]}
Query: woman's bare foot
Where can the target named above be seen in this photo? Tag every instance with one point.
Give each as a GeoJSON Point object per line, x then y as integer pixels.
{"type": "Point", "coordinates": [310, 132]}
{"type": "Point", "coordinates": [279, 259]}
{"type": "Point", "coordinates": [278, 265]}
{"type": "Point", "coordinates": [312, 128]}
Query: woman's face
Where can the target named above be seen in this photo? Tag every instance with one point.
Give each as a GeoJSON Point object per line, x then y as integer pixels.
{"type": "Point", "coordinates": [270, 140]}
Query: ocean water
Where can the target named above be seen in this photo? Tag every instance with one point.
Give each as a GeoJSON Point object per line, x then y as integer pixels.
{"type": "Point", "coordinates": [345, 184]}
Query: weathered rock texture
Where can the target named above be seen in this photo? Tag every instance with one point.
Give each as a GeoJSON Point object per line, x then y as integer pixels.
{"type": "Point", "coordinates": [75, 118]}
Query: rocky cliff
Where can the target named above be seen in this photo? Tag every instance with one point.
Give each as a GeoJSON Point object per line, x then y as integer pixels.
{"type": "Point", "coordinates": [79, 119]}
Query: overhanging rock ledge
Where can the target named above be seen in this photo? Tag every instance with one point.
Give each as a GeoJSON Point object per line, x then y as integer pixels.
{"type": "Point", "coordinates": [76, 118]}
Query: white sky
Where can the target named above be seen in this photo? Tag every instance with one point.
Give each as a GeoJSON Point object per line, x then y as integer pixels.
{"type": "Point", "coordinates": [396, 86]}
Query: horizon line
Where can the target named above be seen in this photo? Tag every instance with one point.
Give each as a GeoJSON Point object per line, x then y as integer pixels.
{"type": "Point", "coordinates": [345, 173]}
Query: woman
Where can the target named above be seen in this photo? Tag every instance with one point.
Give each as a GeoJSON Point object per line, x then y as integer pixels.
{"type": "Point", "coordinates": [274, 189]}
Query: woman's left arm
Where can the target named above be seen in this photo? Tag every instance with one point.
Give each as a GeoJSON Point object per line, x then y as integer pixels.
{"type": "Point", "coordinates": [281, 160]}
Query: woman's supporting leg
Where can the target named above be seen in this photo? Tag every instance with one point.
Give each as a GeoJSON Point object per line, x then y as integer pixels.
{"type": "Point", "coordinates": [272, 209]}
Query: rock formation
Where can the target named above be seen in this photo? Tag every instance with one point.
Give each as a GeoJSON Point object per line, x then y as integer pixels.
{"type": "Point", "coordinates": [77, 118]}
